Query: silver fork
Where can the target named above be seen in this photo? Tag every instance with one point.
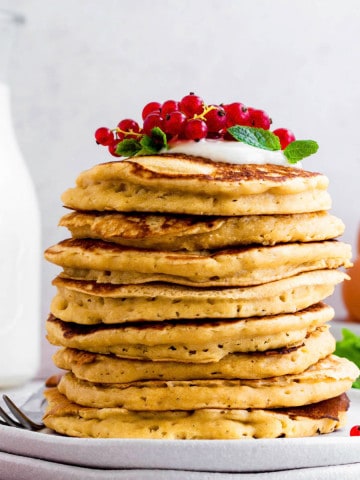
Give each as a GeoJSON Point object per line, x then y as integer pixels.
{"type": "Point", "coordinates": [29, 415]}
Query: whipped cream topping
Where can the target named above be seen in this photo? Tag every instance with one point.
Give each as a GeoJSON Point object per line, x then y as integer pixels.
{"type": "Point", "coordinates": [229, 152]}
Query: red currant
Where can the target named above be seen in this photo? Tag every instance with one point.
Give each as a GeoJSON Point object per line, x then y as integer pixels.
{"type": "Point", "coordinates": [237, 114]}
{"type": "Point", "coordinates": [151, 121]}
{"type": "Point", "coordinates": [129, 128]}
{"type": "Point", "coordinates": [169, 106]}
{"type": "Point", "coordinates": [104, 136]}
{"type": "Point", "coordinates": [216, 135]}
{"type": "Point", "coordinates": [112, 148]}
{"type": "Point", "coordinates": [173, 123]}
{"type": "Point", "coordinates": [191, 105]}
{"type": "Point", "coordinates": [285, 136]}
{"type": "Point", "coordinates": [149, 108]}
{"type": "Point", "coordinates": [195, 129]}
{"type": "Point", "coordinates": [215, 119]}
{"type": "Point", "coordinates": [355, 431]}
{"type": "Point", "coordinates": [259, 119]}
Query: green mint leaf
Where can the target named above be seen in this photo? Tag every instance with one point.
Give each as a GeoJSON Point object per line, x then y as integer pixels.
{"type": "Point", "coordinates": [299, 149]}
{"type": "Point", "coordinates": [147, 145]}
{"type": "Point", "coordinates": [257, 137]}
{"type": "Point", "coordinates": [153, 143]}
{"type": "Point", "coordinates": [349, 347]}
{"type": "Point", "coordinates": [159, 137]}
{"type": "Point", "coordinates": [128, 147]}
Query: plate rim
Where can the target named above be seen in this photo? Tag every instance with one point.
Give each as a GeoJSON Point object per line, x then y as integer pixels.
{"type": "Point", "coordinates": [236, 456]}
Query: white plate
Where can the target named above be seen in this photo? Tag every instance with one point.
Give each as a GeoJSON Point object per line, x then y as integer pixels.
{"type": "Point", "coordinates": [197, 455]}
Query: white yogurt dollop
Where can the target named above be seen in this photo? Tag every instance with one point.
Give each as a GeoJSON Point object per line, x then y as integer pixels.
{"type": "Point", "coordinates": [229, 152]}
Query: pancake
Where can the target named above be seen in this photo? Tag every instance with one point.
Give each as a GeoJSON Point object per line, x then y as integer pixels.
{"type": "Point", "coordinates": [68, 418]}
{"type": "Point", "coordinates": [193, 185]}
{"type": "Point", "coordinates": [170, 232]}
{"type": "Point", "coordinates": [328, 378]}
{"type": "Point", "coordinates": [190, 341]}
{"type": "Point", "coordinates": [98, 368]}
{"type": "Point", "coordinates": [107, 262]}
{"type": "Point", "coordinates": [92, 303]}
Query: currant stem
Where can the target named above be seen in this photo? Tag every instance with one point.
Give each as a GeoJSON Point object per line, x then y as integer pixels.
{"type": "Point", "coordinates": [201, 116]}
{"type": "Point", "coordinates": [127, 132]}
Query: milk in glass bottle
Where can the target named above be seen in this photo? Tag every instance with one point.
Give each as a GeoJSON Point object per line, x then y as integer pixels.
{"type": "Point", "coordinates": [20, 248]}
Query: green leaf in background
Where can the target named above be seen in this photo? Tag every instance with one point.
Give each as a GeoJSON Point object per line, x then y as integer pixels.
{"type": "Point", "coordinates": [257, 137]}
{"type": "Point", "coordinates": [349, 347]}
{"type": "Point", "coordinates": [299, 149]}
{"type": "Point", "coordinates": [356, 384]}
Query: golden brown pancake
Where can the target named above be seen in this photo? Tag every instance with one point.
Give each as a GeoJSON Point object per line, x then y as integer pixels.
{"type": "Point", "coordinates": [98, 368]}
{"type": "Point", "coordinates": [193, 185]}
{"type": "Point", "coordinates": [197, 341]}
{"type": "Point", "coordinates": [107, 262]}
{"type": "Point", "coordinates": [148, 353]}
{"type": "Point", "coordinates": [92, 303]}
{"type": "Point", "coordinates": [171, 232]}
{"type": "Point", "coordinates": [328, 378]}
{"type": "Point", "coordinates": [68, 418]}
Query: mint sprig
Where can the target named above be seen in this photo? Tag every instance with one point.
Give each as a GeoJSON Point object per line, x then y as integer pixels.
{"type": "Point", "coordinates": [260, 138]}
{"type": "Point", "coordinates": [299, 149]}
{"type": "Point", "coordinates": [128, 147]}
{"type": "Point", "coordinates": [147, 145]}
{"type": "Point", "coordinates": [257, 137]}
{"type": "Point", "coordinates": [154, 142]}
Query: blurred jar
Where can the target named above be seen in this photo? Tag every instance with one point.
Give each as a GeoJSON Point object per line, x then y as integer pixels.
{"type": "Point", "coordinates": [20, 246]}
{"type": "Point", "coordinates": [351, 288]}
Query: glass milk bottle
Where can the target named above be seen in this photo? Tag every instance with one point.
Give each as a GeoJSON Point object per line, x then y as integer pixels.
{"type": "Point", "coordinates": [20, 247]}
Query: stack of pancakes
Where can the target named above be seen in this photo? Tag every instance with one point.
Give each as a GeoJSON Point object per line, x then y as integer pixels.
{"type": "Point", "coordinates": [190, 303]}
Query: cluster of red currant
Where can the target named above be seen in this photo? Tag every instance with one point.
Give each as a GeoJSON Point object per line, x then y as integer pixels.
{"type": "Point", "coordinates": [190, 119]}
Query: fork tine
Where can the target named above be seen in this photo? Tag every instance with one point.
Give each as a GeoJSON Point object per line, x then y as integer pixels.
{"type": "Point", "coordinates": [24, 420]}
{"type": "Point", "coordinates": [8, 420]}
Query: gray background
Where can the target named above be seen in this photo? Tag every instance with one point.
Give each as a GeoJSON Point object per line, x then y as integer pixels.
{"type": "Point", "coordinates": [81, 64]}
